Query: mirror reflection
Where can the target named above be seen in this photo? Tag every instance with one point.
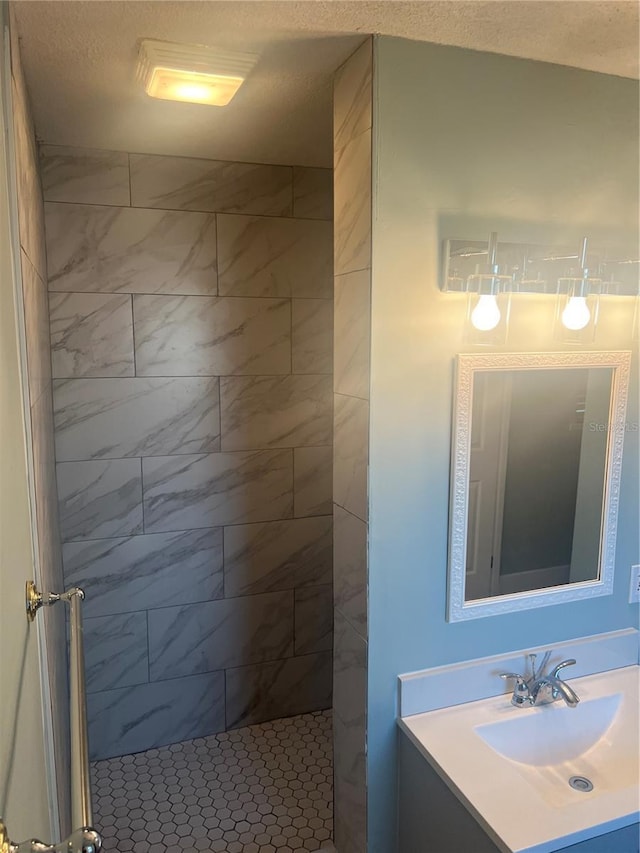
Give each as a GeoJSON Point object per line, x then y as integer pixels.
{"type": "Point", "coordinates": [537, 478]}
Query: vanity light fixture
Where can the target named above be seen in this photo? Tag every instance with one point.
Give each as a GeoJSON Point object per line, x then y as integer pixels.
{"type": "Point", "coordinates": [193, 73]}
{"type": "Point", "coordinates": [492, 271]}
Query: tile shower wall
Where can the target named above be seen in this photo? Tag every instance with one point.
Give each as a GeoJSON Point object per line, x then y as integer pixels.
{"type": "Point", "coordinates": [191, 330]}
{"type": "Point", "coordinates": [38, 370]}
{"type": "Point", "coordinates": [352, 287]}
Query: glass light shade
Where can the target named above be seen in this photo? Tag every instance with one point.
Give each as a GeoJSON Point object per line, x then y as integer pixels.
{"type": "Point", "coordinates": [171, 84]}
{"type": "Point", "coordinates": [486, 315]}
{"type": "Point", "coordinates": [576, 314]}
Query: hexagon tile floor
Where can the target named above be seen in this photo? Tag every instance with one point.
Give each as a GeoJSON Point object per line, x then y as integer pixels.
{"type": "Point", "coordinates": [260, 789]}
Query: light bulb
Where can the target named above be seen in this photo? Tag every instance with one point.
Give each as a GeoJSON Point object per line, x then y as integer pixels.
{"type": "Point", "coordinates": [576, 314]}
{"type": "Point", "coordinates": [486, 315]}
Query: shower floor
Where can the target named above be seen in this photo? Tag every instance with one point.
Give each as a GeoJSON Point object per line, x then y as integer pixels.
{"type": "Point", "coordinates": [258, 789]}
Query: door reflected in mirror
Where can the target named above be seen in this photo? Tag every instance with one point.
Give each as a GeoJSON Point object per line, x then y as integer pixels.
{"type": "Point", "coordinates": [536, 479]}
{"type": "Point", "coordinates": [536, 463]}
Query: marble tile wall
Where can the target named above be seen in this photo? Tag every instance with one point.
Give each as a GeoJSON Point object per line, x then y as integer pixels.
{"type": "Point", "coordinates": [352, 324]}
{"type": "Point", "coordinates": [190, 306]}
{"type": "Point", "coordinates": [35, 313]}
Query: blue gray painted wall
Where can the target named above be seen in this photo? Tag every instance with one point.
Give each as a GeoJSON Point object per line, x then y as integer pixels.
{"type": "Point", "coordinates": [465, 143]}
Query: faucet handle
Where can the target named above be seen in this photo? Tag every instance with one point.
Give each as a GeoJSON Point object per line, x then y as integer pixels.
{"type": "Point", "coordinates": [519, 678]}
{"type": "Point", "coordinates": [520, 691]}
{"type": "Point", "coordinates": [562, 665]}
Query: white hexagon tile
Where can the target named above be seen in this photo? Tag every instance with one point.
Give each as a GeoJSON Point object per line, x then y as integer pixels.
{"type": "Point", "coordinates": [259, 789]}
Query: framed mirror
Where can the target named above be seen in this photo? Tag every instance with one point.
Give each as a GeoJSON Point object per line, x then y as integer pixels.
{"type": "Point", "coordinates": [535, 474]}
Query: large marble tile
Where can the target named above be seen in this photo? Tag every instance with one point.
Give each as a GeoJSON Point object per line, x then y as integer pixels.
{"type": "Point", "coordinates": [185, 492]}
{"type": "Point", "coordinates": [115, 418]}
{"type": "Point", "coordinates": [183, 183]}
{"type": "Point", "coordinates": [349, 676]}
{"type": "Point", "coordinates": [209, 336]}
{"type": "Point", "coordinates": [352, 244]}
{"type": "Point", "coordinates": [277, 555]}
{"type": "Point", "coordinates": [275, 411]}
{"type": "Point", "coordinates": [144, 716]}
{"type": "Point", "coordinates": [312, 480]}
{"type": "Point", "coordinates": [350, 581]}
{"type": "Point", "coordinates": [350, 788]}
{"type": "Point", "coordinates": [312, 336]}
{"type": "Point", "coordinates": [312, 193]}
{"type": "Point", "coordinates": [109, 249]}
{"type": "Point", "coordinates": [350, 721]}
{"type": "Point", "coordinates": [143, 572]}
{"type": "Point", "coordinates": [36, 320]}
{"type": "Point", "coordinates": [262, 256]}
{"type": "Point", "coordinates": [84, 175]}
{"type": "Point", "coordinates": [313, 619]}
{"type": "Point", "coordinates": [280, 688]}
{"type": "Point", "coordinates": [351, 454]}
{"type": "Point", "coordinates": [91, 334]}
{"type": "Point", "coordinates": [352, 95]}
{"type": "Point", "coordinates": [115, 651]}
{"type": "Point", "coordinates": [213, 635]}
{"type": "Point", "coordinates": [99, 499]}
{"type": "Point", "coordinates": [352, 333]}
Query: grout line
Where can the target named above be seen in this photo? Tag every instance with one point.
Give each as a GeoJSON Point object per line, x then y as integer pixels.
{"type": "Point", "coordinates": [142, 497]}
{"type": "Point", "coordinates": [293, 484]}
{"type": "Point", "coordinates": [219, 599]}
{"type": "Point", "coordinates": [187, 210]}
{"type": "Point", "coordinates": [201, 376]}
{"type": "Point", "coordinates": [363, 520]}
{"type": "Point", "coordinates": [224, 565]}
{"type": "Point", "coordinates": [146, 616]}
{"type": "Point", "coordinates": [89, 148]}
{"type": "Point", "coordinates": [193, 529]}
{"type": "Point", "coordinates": [215, 226]}
{"type": "Point", "coordinates": [351, 272]}
{"type": "Point", "coordinates": [217, 296]}
{"type": "Point", "coordinates": [226, 669]}
{"type": "Point", "coordinates": [224, 698]}
{"type": "Point", "coordinates": [183, 456]}
{"type": "Point", "coordinates": [133, 339]}
{"type": "Point", "coordinates": [220, 437]}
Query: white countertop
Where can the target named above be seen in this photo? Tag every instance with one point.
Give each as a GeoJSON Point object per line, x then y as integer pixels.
{"type": "Point", "coordinates": [527, 809]}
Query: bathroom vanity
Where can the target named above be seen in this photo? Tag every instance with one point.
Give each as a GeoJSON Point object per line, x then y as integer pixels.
{"type": "Point", "coordinates": [433, 820]}
{"type": "Point", "coordinates": [492, 774]}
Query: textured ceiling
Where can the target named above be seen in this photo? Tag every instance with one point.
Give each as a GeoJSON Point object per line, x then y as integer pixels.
{"type": "Point", "coordinates": [80, 57]}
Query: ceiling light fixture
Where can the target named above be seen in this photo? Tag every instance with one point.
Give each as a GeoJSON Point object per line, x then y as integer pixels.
{"type": "Point", "coordinates": [192, 73]}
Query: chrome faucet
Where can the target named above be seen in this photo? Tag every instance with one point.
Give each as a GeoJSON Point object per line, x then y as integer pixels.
{"type": "Point", "coordinates": [541, 688]}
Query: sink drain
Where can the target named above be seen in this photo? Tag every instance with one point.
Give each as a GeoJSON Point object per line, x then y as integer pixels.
{"type": "Point", "coordinates": [581, 783]}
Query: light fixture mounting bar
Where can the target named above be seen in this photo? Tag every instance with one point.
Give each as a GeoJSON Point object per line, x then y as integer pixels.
{"type": "Point", "coordinates": [537, 268]}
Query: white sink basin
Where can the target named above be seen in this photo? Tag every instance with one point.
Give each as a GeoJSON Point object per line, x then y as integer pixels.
{"type": "Point", "coordinates": [511, 766]}
{"type": "Point", "coordinates": [552, 734]}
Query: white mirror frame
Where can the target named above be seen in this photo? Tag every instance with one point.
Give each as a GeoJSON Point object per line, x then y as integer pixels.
{"type": "Point", "coordinates": [458, 610]}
